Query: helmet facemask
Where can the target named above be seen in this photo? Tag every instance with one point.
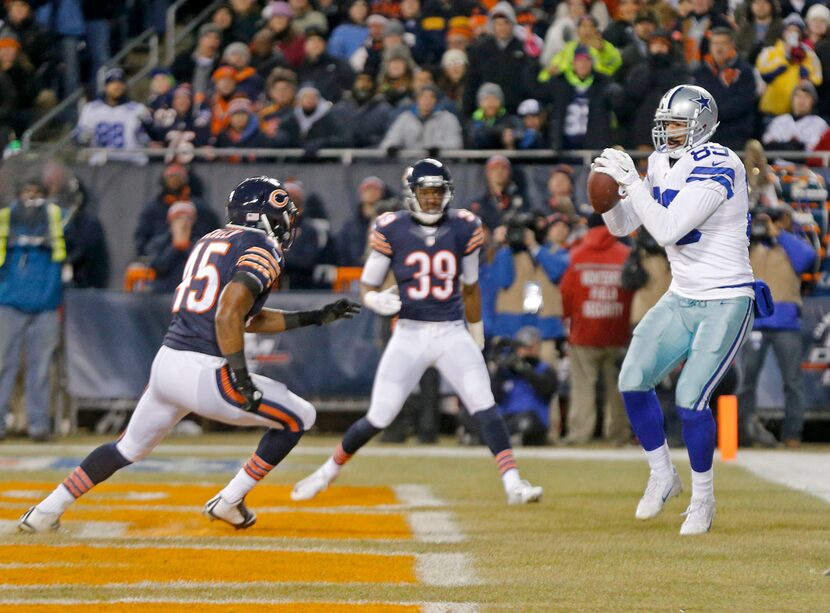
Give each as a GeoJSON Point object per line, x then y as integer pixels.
{"type": "Point", "coordinates": [413, 204]}
{"type": "Point", "coordinates": [281, 227]}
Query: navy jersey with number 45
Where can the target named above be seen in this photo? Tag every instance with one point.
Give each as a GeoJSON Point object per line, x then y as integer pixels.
{"type": "Point", "coordinates": [427, 265]}
{"type": "Point", "coordinates": [212, 264]}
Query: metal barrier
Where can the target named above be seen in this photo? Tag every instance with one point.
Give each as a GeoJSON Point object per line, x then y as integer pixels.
{"type": "Point", "coordinates": [347, 156]}
{"type": "Point", "coordinates": [170, 31]}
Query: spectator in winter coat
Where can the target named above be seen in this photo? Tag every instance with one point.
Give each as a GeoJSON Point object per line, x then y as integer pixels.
{"type": "Point", "coordinates": [224, 80]}
{"type": "Point", "coordinates": [265, 56]}
{"type": "Point", "coordinates": [290, 39]}
{"type": "Point", "coordinates": [599, 312]}
{"type": "Point", "coordinates": [307, 248]}
{"type": "Point", "coordinates": [305, 17]}
{"type": "Point", "coordinates": [181, 125]}
{"type": "Point", "coordinates": [605, 57]}
{"type": "Point", "coordinates": [532, 132]}
{"type": "Point", "coordinates": [311, 125]}
{"type": "Point", "coordinates": [396, 75]}
{"type": "Point", "coordinates": [636, 52]}
{"type": "Point", "coordinates": [453, 77]}
{"type": "Point", "coordinates": [242, 130]}
{"type": "Point", "coordinates": [582, 105]}
{"type": "Point", "coordinates": [196, 67]}
{"type": "Point", "coordinates": [348, 37]}
{"type": "Point", "coordinates": [422, 127]}
{"type": "Point", "coordinates": [486, 128]}
{"type": "Point", "coordinates": [352, 239]}
{"type": "Point", "coordinates": [248, 82]}
{"type": "Point", "coordinates": [35, 40]}
{"type": "Point", "coordinates": [801, 128]}
{"type": "Point", "coordinates": [621, 31]}
{"type": "Point", "coordinates": [167, 252]}
{"type": "Point", "coordinates": [372, 47]}
{"type": "Point", "coordinates": [281, 88]}
{"type": "Point", "coordinates": [645, 86]}
{"type": "Point", "coordinates": [330, 75]}
{"type": "Point", "coordinates": [696, 28]}
{"type": "Point", "coordinates": [152, 221]}
{"type": "Point", "coordinates": [562, 30]}
{"type": "Point", "coordinates": [759, 25]}
{"type": "Point", "coordinates": [502, 195]}
{"type": "Point", "coordinates": [818, 25]}
{"type": "Point", "coordinates": [245, 20]}
{"type": "Point", "coordinates": [426, 31]}
{"type": "Point", "coordinates": [500, 59]}
{"type": "Point", "coordinates": [730, 79]}
{"type": "Point", "coordinates": [366, 115]}
{"type": "Point", "coordinates": [784, 65]}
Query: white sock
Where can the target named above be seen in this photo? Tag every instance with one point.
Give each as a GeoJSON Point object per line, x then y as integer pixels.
{"type": "Point", "coordinates": [703, 484]}
{"type": "Point", "coordinates": [238, 487]}
{"type": "Point", "coordinates": [659, 461]}
{"type": "Point", "coordinates": [57, 502]}
{"type": "Point", "coordinates": [510, 479]}
{"type": "Point", "coordinates": [331, 469]}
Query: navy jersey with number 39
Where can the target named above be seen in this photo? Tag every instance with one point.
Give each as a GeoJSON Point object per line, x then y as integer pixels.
{"type": "Point", "coordinates": [212, 264]}
{"type": "Point", "coordinates": [427, 265]}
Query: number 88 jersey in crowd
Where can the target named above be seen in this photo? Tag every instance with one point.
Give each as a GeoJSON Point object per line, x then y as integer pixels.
{"type": "Point", "coordinates": [427, 261]}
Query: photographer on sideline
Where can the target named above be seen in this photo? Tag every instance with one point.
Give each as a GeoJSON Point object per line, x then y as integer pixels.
{"type": "Point", "coordinates": [526, 271]}
{"type": "Point", "coordinates": [523, 386]}
{"type": "Point", "coordinates": [779, 257]}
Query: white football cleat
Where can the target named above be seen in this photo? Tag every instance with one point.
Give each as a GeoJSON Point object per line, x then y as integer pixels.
{"type": "Point", "coordinates": [699, 517]}
{"type": "Point", "coordinates": [312, 485]}
{"type": "Point", "coordinates": [523, 492]}
{"type": "Point", "coordinates": [237, 515]}
{"type": "Point", "coordinates": [36, 521]}
{"type": "Point", "coordinates": [658, 491]}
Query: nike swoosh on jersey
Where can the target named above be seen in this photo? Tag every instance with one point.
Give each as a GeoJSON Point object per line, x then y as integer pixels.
{"type": "Point", "coordinates": [718, 163]}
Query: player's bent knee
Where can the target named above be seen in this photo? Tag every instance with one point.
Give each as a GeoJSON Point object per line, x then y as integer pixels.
{"type": "Point", "coordinates": [380, 418]}
{"type": "Point", "coordinates": [308, 415]}
{"type": "Point", "coordinates": [632, 378]}
{"type": "Point", "coordinates": [132, 452]}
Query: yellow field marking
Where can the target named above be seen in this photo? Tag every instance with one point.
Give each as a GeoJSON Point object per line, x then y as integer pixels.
{"type": "Point", "coordinates": [87, 565]}
{"type": "Point", "coordinates": [189, 495]}
{"type": "Point", "coordinates": [167, 607]}
{"type": "Point", "coordinates": [142, 523]}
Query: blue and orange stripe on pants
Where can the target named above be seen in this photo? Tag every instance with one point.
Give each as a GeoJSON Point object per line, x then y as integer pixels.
{"type": "Point", "coordinates": [267, 408]}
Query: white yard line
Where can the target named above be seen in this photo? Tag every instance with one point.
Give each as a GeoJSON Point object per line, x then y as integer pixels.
{"type": "Point", "coordinates": [435, 527]}
{"type": "Point", "coordinates": [806, 472]}
{"type": "Point", "coordinates": [445, 569]}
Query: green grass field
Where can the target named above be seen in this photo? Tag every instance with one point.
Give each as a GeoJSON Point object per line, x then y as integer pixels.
{"type": "Point", "coordinates": [579, 550]}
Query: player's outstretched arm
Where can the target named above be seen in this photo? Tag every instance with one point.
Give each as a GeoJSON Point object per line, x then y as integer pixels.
{"type": "Point", "coordinates": [235, 302]}
{"type": "Point", "coordinates": [269, 321]}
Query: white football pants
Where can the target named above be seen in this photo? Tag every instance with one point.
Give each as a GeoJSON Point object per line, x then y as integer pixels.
{"type": "Point", "coordinates": [183, 382]}
{"type": "Point", "coordinates": [414, 347]}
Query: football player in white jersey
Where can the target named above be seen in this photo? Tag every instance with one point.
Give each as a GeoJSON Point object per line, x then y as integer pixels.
{"type": "Point", "coordinates": [694, 202]}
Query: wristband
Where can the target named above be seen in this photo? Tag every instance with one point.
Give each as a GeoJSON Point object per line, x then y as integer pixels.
{"type": "Point", "coordinates": [237, 363]}
{"type": "Point", "coordinates": [299, 319]}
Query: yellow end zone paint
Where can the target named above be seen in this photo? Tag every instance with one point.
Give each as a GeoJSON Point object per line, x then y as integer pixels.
{"type": "Point", "coordinates": [264, 495]}
{"type": "Point", "coordinates": [87, 565]}
{"type": "Point", "coordinates": [168, 607]}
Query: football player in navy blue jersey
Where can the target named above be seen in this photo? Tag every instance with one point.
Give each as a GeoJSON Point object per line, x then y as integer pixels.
{"type": "Point", "coordinates": [433, 253]}
{"type": "Point", "coordinates": [201, 366]}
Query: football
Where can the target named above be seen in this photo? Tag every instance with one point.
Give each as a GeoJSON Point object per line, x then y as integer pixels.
{"type": "Point", "coordinates": [603, 191]}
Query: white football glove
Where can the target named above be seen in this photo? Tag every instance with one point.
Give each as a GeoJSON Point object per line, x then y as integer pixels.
{"type": "Point", "coordinates": [386, 302]}
{"type": "Point", "coordinates": [618, 165]}
{"type": "Point", "coordinates": [476, 329]}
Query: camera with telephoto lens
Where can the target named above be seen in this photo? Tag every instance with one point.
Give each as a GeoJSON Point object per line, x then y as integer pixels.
{"type": "Point", "coordinates": [518, 222]}
{"type": "Point", "coordinates": [759, 230]}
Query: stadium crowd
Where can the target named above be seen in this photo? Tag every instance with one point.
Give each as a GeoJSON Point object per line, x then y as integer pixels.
{"type": "Point", "coordinates": [441, 75]}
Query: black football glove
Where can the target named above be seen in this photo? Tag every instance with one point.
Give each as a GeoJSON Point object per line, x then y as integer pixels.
{"type": "Point", "coordinates": [243, 384]}
{"type": "Point", "coordinates": [341, 309]}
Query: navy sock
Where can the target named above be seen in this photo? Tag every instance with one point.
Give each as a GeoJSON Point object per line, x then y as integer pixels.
{"type": "Point", "coordinates": [699, 436]}
{"type": "Point", "coordinates": [102, 463]}
{"type": "Point", "coordinates": [276, 444]}
{"type": "Point", "coordinates": [358, 434]}
{"type": "Point", "coordinates": [646, 417]}
{"type": "Point", "coordinates": [493, 430]}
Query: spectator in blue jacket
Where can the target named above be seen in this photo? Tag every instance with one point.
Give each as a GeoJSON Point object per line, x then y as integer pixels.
{"type": "Point", "coordinates": [366, 114]}
{"type": "Point", "coordinates": [32, 253]}
{"type": "Point", "coordinates": [779, 257]}
{"type": "Point", "coordinates": [523, 386]}
{"type": "Point", "coordinates": [349, 37]}
{"type": "Point", "coordinates": [731, 80]}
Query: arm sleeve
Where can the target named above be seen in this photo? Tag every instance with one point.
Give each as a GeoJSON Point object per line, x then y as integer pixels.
{"type": "Point", "coordinates": [260, 263]}
{"type": "Point", "coordinates": [469, 268]}
{"type": "Point", "coordinates": [800, 253]}
{"type": "Point", "coordinates": [622, 220]}
{"type": "Point", "coordinates": [375, 269]}
{"type": "Point", "coordinates": [694, 204]}
{"type": "Point", "coordinates": [502, 268]}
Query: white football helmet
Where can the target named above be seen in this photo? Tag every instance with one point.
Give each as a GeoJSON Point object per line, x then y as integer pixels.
{"type": "Point", "coordinates": [687, 104]}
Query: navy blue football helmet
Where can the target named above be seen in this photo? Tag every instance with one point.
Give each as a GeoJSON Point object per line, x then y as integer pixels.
{"type": "Point", "coordinates": [263, 203]}
{"type": "Point", "coordinates": [428, 172]}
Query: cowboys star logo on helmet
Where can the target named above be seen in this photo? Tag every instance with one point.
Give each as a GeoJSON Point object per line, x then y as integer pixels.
{"type": "Point", "coordinates": [685, 104]}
